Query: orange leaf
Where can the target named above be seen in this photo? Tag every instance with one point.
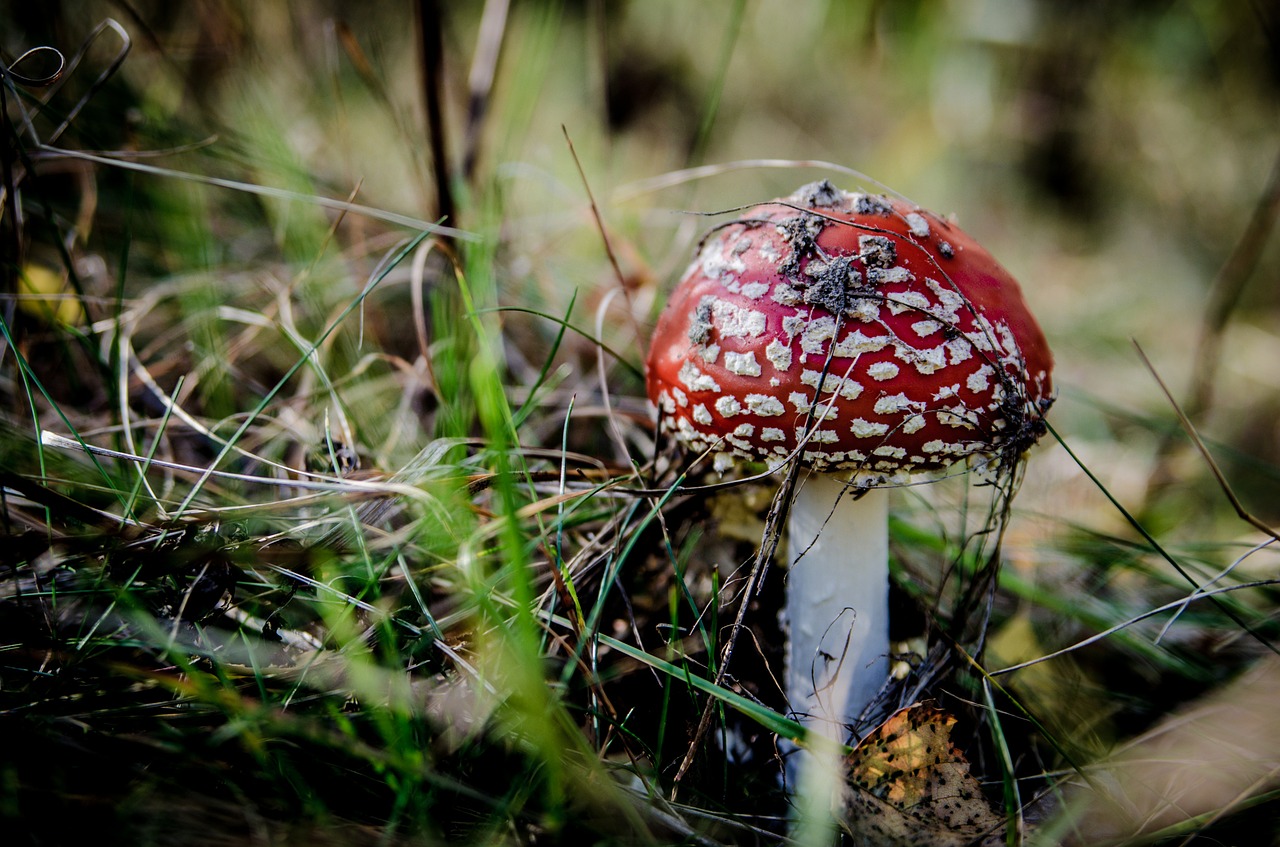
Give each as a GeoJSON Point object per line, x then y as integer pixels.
{"type": "Point", "coordinates": [908, 785]}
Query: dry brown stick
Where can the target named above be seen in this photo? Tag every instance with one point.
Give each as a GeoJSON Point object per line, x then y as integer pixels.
{"type": "Point", "coordinates": [1225, 292]}
{"type": "Point", "coordinates": [431, 53]}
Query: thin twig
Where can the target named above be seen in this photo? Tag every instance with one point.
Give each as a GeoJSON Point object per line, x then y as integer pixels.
{"type": "Point", "coordinates": [1174, 604]}
{"type": "Point", "coordinates": [604, 234]}
{"type": "Point", "coordinates": [125, 162]}
{"type": "Point", "coordinates": [1187, 426]}
{"type": "Point", "coordinates": [774, 521]}
{"type": "Point", "coordinates": [1158, 549]}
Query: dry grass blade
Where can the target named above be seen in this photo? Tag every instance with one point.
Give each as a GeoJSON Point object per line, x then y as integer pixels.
{"type": "Point", "coordinates": [1164, 554]}
{"type": "Point", "coordinates": [1167, 607]}
{"type": "Point", "coordinates": [604, 234]}
{"type": "Point", "coordinates": [415, 224]}
{"type": "Point", "coordinates": [1190, 430]}
{"type": "Point", "coordinates": [635, 190]}
{"type": "Point", "coordinates": [122, 53]}
{"type": "Point", "coordinates": [484, 68]}
{"type": "Point", "coordinates": [33, 54]}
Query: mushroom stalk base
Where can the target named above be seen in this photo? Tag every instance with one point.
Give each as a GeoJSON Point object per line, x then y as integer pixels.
{"type": "Point", "coordinates": [837, 602]}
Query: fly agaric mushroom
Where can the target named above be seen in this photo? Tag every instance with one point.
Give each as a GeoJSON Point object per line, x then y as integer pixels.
{"type": "Point", "coordinates": [878, 345]}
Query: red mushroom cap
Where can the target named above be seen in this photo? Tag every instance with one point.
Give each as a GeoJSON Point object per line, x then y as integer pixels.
{"type": "Point", "coordinates": [877, 335]}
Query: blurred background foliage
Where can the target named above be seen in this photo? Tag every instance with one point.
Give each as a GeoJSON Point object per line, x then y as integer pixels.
{"type": "Point", "coordinates": [1111, 154]}
{"type": "Point", "coordinates": [1118, 158]}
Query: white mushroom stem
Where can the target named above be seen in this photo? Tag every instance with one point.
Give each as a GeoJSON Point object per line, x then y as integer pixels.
{"type": "Point", "coordinates": [837, 602]}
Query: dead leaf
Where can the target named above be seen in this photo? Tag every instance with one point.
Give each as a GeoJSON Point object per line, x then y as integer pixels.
{"type": "Point", "coordinates": [909, 785]}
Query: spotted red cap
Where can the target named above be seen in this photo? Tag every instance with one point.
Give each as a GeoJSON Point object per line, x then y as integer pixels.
{"type": "Point", "coordinates": [885, 333]}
